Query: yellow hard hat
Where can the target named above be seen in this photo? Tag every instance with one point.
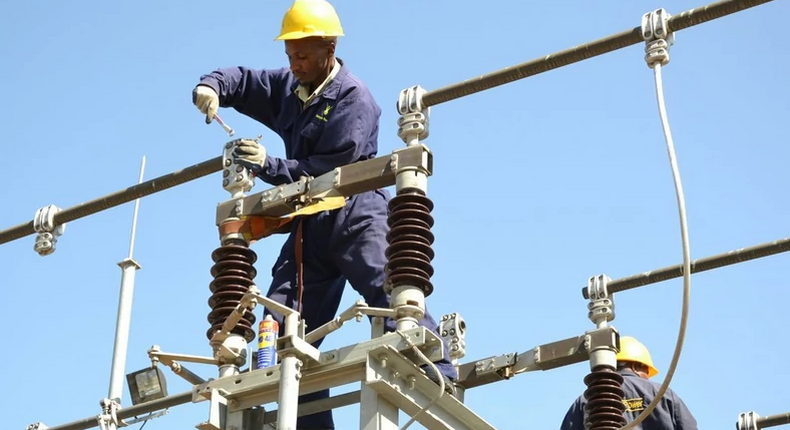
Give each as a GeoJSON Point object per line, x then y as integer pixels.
{"type": "Point", "coordinates": [633, 350]}
{"type": "Point", "coordinates": [307, 18]}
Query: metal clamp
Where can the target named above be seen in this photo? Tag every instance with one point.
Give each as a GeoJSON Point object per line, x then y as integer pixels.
{"type": "Point", "coordinates": [48, 232]}
{"type": "Point", "coordinates": [108, 420]}
{"type": "Point", "coordinates": [414, 119]}
{"type": "Point", "coordinates": [236, 179]}
{"type": "Point", "coordinates": [601, 305]}
{"type": "Point", "coordinates": [453, 333]}
{"type": "Point", "coordinates": [748, 421]}
{"type": "Point", "coordinates": [658, 37]}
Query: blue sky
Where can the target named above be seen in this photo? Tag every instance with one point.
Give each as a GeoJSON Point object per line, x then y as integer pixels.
{"type": "Point", "coordinates": [538, 185]}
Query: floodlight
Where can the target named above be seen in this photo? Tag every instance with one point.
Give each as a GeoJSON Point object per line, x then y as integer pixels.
{"type": "Point", "coordinates": [146, 385]}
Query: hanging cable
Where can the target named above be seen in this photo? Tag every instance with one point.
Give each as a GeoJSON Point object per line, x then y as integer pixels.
{"type": "Point", "coordinates": [658, 39]}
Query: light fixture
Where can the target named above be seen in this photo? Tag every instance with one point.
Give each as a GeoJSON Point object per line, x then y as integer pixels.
{"type": "Point", "coordinates": [147, 385]}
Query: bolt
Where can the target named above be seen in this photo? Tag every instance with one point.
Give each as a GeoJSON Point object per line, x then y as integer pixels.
{"type": "Point", "coordinates": [229, 145]}
{"type": "Point", "coordinates": [383, 360]}
{"type": "Point", "coordinates": [239, 178]}
{"type": "Point", "coordinates": [225, 173]}
{"type": "Point", "coordinates": [225, 183]}
{"type": "Point", "coordinates": [227, 162]}
{"type": "Point", "coordinates": [452, 332]}
{"type": "Point", "coordinates": [239, 168]}
{"type": "Point", "coordinates": [412, 381]}
{"type": "Point", "coordinates": [444, 332]}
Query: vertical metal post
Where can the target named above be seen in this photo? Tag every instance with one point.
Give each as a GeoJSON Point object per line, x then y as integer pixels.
{"type": "Point", "coordinates": [128, 268]}
{"type": "Point", "coordinates": [375, 412]}
{"type": "Point", "coordinates": [290, 373]}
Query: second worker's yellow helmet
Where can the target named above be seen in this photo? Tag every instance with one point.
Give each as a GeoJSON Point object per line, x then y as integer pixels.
{"type": "Point", "coordinates": [633, 350]}
{"type": "Point", "coordinates": [308, 18]}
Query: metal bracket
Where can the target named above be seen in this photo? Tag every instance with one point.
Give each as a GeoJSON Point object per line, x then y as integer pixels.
{"type": "Point", "coordinates": [601, 305]}
{"type": "Point", "coordinates": [748, 421]}
{"type": "Point", "coordinates": [453, 331]}
{"type": "Point", "coordinates": [414, 120]}
{"type": "Point", "coordinates": [48, 232]}
{"type": "Point", "coordinates": [334, 368]}
{"type": "Point", "coordinates": [37, 426]}
{"type": "Point", "coordinates": [236, 179]}
{"type": "Point", "coordinates": [297, 346]}
{"type": "Point", "coordinates": [404, 384]}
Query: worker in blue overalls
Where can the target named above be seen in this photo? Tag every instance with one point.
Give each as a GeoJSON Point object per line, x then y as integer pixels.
{"type": "Point", "coordinates": [327, 118]}
{"type": "Point", "coordinates": [636, 366]}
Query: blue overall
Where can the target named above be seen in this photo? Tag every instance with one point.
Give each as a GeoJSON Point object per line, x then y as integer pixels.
{"type": "Point", "coordinates": [338, 127]}
{"type": "Point", "coordinates": [670, 414]}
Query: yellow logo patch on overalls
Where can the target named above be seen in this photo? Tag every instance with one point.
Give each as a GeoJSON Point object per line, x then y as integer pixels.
{"type": "Point", "coordinates": [324, 116]}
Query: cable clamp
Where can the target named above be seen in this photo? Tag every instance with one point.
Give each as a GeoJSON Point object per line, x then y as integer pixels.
{"type": "Point", "coordinates": [48, 232]}
{"type": "Point", "coordinates": [657, 36]}
{"type": "Point", "coordinates": [601, 305]}
{"type": "Point", "coordinates": [414, 119]}
{"type": "Point", "coordinates": [748, 421]}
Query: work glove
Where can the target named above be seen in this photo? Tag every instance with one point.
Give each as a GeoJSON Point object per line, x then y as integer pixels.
{"type": "Point", "coordinates": [206, 100]}
{"type": "Point", "coordinates": [250, 154]}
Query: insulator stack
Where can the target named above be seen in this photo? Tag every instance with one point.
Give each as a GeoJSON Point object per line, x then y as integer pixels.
{"type": "Point", "coordinates": [409, 253]}
{"type": "Point", "coordinates": [604, 409]}
{"type": "Point", "coordinates": [233, 273]}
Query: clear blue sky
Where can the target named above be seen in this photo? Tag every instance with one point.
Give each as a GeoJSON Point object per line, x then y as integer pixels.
{"type": "Point", "coordinates": [538, 185]}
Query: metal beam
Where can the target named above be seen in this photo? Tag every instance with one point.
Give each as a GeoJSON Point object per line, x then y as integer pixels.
{"type": "Point", "coordinates": [335, 368]}
{"type": "Point", "coordinates": [543, 357]}
{"type": "Point", "coordinates": [120, 197]}
{"type": "Point", "coordinates": [131, 411]}
{"type": "Point", "coordinates": [578, 53]}
{"type": "Point", "coordinates": [405, 385]}
{"type": "Point", "coordinates": [343, 181]}
{"type": "Point", "coordinates": [699, 265]}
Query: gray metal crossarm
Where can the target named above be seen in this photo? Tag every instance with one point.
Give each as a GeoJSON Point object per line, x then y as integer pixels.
{"type": "Point", "coordinates": [343, 181]}
{"type": "Point", "coordinates": [120, 197]}
{"type": "Point", "coordinates": [699, 265]}
{"type": "Point", "coordinates": [403, 384]}
{"type": "Point", "coordinates": [543, 357]}
{"type": "Point", "coordinates": [585, 51]}
{"type": "Point", "coordinates": [335, 368]}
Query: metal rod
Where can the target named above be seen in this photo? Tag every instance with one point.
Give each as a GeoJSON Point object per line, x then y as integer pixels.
{"type": "Point", "coordinates": [123, 320]}
{"type": "Point", "coordinates": [136, 209]}
{"type": "Point", "coordinates": [190, 376]}
{"type": "Point", "coordinates": [131, 411]}
{"type": "Point", "coordinates": [578, 53]}
{"type": "Point", "coordinates": [773, 420]}
{"type": "Point", "coordinates": [700, 265]}
{"type": "Point", "coordinates": [120, 197]}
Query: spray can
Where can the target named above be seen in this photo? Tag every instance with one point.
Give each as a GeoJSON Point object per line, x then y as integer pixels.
{"type": "Point", "coordinates": [268, 329]}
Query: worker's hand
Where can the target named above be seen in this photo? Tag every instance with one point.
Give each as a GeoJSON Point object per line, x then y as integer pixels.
{"type": "Point", "coordinates": [250, 154]}
{"type": "Point", "coordinates": [206, 100]}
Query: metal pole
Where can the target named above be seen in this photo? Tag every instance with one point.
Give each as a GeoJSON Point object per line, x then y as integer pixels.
{"type": "Point", "coordinates": [128, 267]}
{"type": "Point", "coordinates": [288, 397]}
{"type": "Point", "coordinates": [120, 197]}
{"type": "Point", "coordinates": [700, 265]}
{"type": "Point", "coordinates": [773, 420]}
{"type": "Point", "coordinates": [581, 52]}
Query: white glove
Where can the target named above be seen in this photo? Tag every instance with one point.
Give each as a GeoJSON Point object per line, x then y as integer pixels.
{"type": "Point", "coordinates": [250, 154]}
{"type": "Point", "coordinates": [206, 100]}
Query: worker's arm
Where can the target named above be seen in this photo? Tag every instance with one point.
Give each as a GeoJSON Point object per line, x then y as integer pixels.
{"type": "Point", "coordinates": [574, 418]}
{"type": "Point", "coordinates": [684, 420]}
{"type": "Point", "coordinates": [337, 141]}
{"type": "Point", "coordinates": [255, 93]}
